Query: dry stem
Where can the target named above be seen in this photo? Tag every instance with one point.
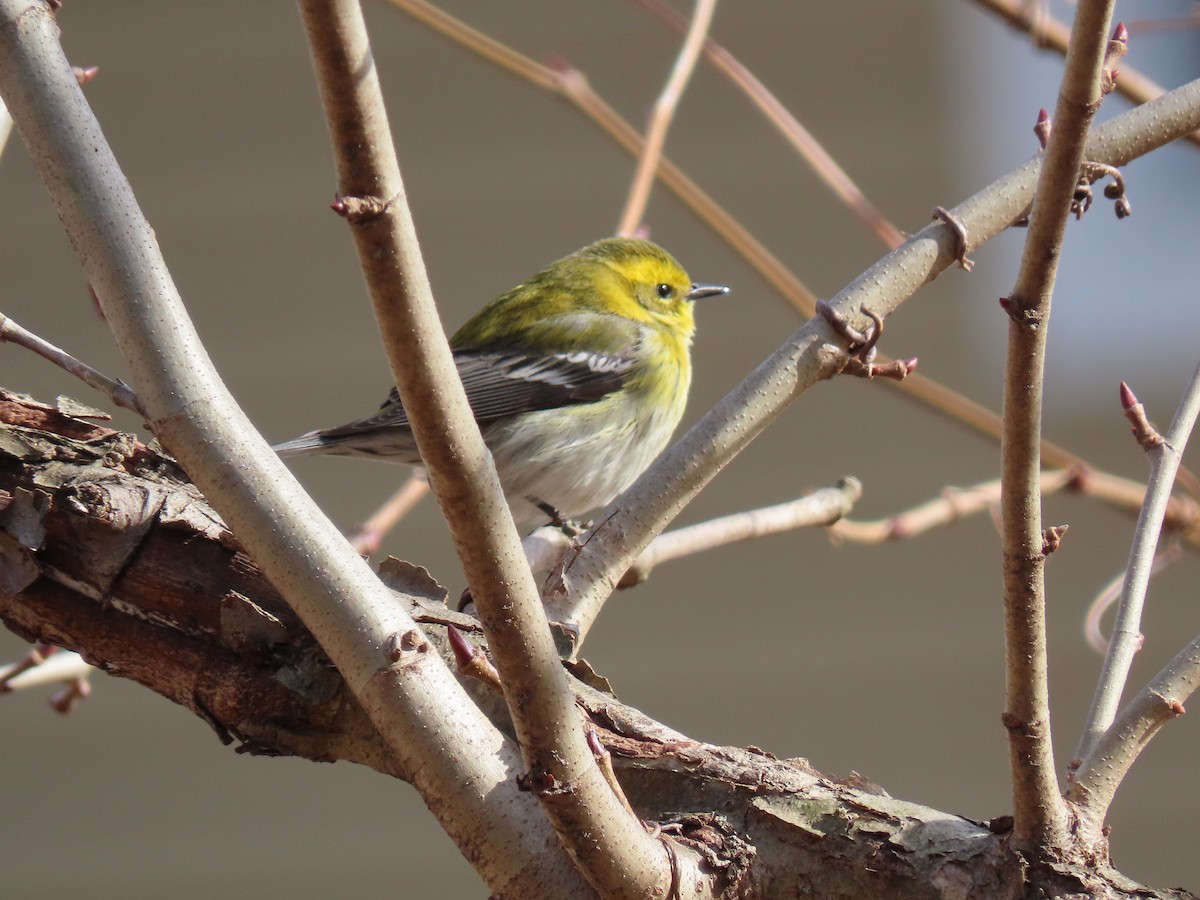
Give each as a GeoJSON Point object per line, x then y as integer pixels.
{"type": "Point", "coordinates": [610, 848]}
{"type": "Point", "coordinates": [1040, 821]}
{"type": "Point", "coordinates": [824, 165]}
{"type": "Point", "coordinates": [117, 391]}
{"type": "Point", "coordinates": [664, 112]}
{"type": "Point", "coordinates": [1048, 31]}
{"type": "Point", "coordinates": [1165, 457]}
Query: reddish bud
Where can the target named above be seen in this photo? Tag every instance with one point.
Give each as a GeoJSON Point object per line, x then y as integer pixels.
{"type": "Point", "coordinates": [593, 742]}
{"type": "Point", "coordinates": [1042, 128]}
{"type": "Point", "coordinates": [464, 650]}
{"type": "Point", "coordinates": [1121, 33]}
{"type": "Point", "coordinates": [1128, 398]}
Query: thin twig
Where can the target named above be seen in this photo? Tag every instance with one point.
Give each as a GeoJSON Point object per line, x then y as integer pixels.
{"type": "Point", "coordinates": [1051, 33]}
{"type": "Point", "coordinates": [571, 84]}
{"type": "Point", "coordinates": [1098, 775]}
{"type": "Point", "coordinates": [1126, 638]}
{"type": "Point", "coordinates": [368, 536]}
{"type": "Point", "coordinates": [821, 507]}
{"type": "Point", "coordinates": [660, 122]}
{"type": "Point", "coordinates": [953, 505]}
{"type": "Point", "coordinates": [545, 546]}
{"type": "Point", "coordinates": [1111, 593]}
{"type": "Point", "coordinates": [788, 125]}
{"type": "Point", "coordinates": [1040, 819]}
{"type": "Point", "coordinates": [117, 391]}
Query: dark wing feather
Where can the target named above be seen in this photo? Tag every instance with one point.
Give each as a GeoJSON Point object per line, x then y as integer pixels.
{"type": "Point", "coordinates": [502, 384]}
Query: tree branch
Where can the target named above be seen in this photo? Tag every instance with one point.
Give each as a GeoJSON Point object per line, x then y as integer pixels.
{"type": "Point", "coordinates": [132, 568]}
{"type": "Point", "coordinates": [810, 355]}
{"type": "Point", "coordinates": [612, 849]}
{"type": "Point", "coordinates": [1040, 816]}
{"type": "Point", "coordinates": [410, 695]}
{"type": "Point", "coordinates": [1100, 749]}
{"type": "Point", "coordinates": [1047, 31]}
{"type": "Point", "coordinates": [660, 121]}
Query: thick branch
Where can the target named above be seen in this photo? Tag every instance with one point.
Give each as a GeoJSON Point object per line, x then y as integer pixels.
{"type": "Point", "coordinates": [408, 692]}
{"type": "Point", "coordinates": [125, 562]}
{"type": "Point", "coordinates": [1039, 813]}
{"type": "Point", "coordinates": [809, 355]}
{"type": "Point", "coordinates": [612, 849]}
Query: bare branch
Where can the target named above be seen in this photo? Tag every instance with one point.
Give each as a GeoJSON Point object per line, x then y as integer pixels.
{"type": "Point", "coordinates": [1111, 593]}
{"type": "Point", "coordinates": [660, 122]}
{"type": "Point", "coordinates": [367, 537]}
{"type": "Point", "coordinates": [409, 693]}
{"type": "Point", "coordinates": [808, 356]}
{"type": "Point", "coordinates": [1040, 820]}
{"type": "Point", "coordinates": [572, 85]}
{"type": "Point", "coordinates": [818, 508]}
{"type": "Point", "coordinates": [1165, 456]}
{"type": "Point", "coordinates": [1047, 31]}
{"type": "Point", "coordinates": [788, 125]}
{"type": "Point", "coordinates": [117, 391]}
{"type": "Point", "coordinates": [611, 848]}
{"type": "Point", "coordinates": [43, 664]}
{"type": "Point", "coordinates": [1099, 774]}
{"type": "Point", "coordinates": [953, 504]}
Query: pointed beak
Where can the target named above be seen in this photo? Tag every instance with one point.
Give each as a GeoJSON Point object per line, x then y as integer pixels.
{"type": "Point", "coordinates": [700, 291]}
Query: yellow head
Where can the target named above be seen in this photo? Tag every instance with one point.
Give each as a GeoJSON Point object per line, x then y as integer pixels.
{"type": "Point", "coordinates": [573, 301]}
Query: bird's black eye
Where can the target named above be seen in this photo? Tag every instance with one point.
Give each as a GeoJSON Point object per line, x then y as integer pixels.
{"type": "Point", "coordinates": [665, 291]}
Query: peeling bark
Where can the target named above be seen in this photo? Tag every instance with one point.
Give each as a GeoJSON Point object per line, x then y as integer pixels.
{"type": "Point", "coordinates": [107, 549]}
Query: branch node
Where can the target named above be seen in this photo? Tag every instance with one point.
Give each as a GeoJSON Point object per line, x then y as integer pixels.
{"type": "Point", "coordinates": [1028, 317]}
{"type": "Point", "coordinates": [1144, 433]}
{"type": "Point", "coordinates": [1052, 538]}
{"type": "Point", "coordinates": [357, 210]}
{"type": "Point", "coordinates": [1112, 54]}
{"type": "Point", "coordinates": [407, 648]}
{"type": "Point", "coordinates": [959, 230]}
{"type": "Point", "coordinates": [1042, 127]}
{"type": "Point", "coordinates": [861, 345]}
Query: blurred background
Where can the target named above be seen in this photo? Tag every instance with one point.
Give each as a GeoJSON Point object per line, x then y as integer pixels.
{"type": "Point", "coordinates": [886, 660]}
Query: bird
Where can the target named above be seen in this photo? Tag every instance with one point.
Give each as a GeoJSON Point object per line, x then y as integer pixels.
{"type": "Point", "coordinates": [577, 378]}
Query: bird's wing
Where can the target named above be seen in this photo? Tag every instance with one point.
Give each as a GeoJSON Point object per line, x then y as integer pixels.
{"type": "Point", "coordinates": [500, 383]}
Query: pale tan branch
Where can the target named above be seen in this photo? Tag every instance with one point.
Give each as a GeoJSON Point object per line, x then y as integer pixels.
{"type": "Point", "coordinates": [1165, 455]}
{"type": "Point", "coordinates": [367, 537]}
{"type": "Point", "coordinates": [818, 508]}
{"type": "Point", "coordinates": [660, 121]}
{"type": "Point", "coordinates": [610, 848]}
{"type": "Point", "coordinates": [1040, 816]}
{"type": "Point", "coordinates": [802, 141]}
{"type": "Point", "coordinates": [117, 391]}
{"type": "Point", "coordinates": [1049, 32]}
{"type": "Point", "coordinates": [1111, 593]}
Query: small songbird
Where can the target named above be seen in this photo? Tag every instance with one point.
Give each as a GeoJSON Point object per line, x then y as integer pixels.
{"type": "Point", "coordinates": [577, 378]}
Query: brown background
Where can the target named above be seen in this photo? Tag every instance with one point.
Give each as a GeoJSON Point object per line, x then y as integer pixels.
{"type": "Point", "coordinates": [885, 660]}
